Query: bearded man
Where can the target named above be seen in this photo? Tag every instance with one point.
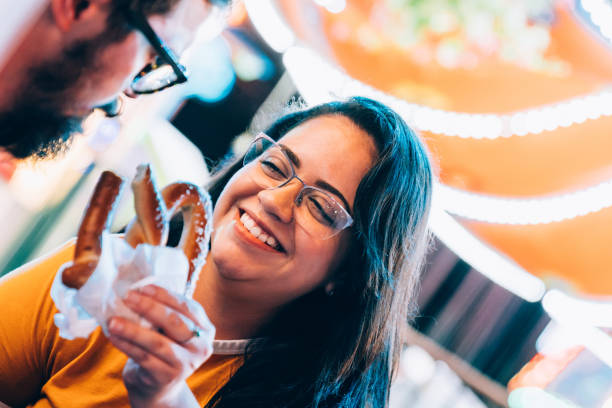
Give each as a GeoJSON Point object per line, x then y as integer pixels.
{"type": "Point", "coordinates": [81, 55]}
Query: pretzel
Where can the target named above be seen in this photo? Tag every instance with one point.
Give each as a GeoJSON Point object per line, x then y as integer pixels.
{"type": "Point", "coordinates": [151, 225]}
{"type": "Point", "coordinates": [97, 218]}
{"type": "Point", "coordinates": [154, 213]}
{"type": "Point", "coordinates": [195, 207]}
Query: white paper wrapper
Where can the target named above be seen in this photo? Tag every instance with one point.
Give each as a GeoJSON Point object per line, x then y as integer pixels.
{"type": "Point", "coordinates": [120, 269]}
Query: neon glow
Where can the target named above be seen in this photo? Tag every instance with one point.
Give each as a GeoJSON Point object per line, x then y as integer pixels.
{"type": "Point", "coordinates": [333, 6]}
{"type": "Point", "coordinates": [560, 310]}
{"type": "Point", "coordinates": [303, 63]}
{"type": "Point", "coordinates": [596, 313]}
{"type": "Point", "coordinates": [601, 15]}
{"type": "Point", "coordinates": [269, 24]}
{"type": "Point", "coordinates": [498, 268]}
{"type": "Point", "coordinates": [318, 84]}
{"type": "Point", "coordinates": [539, 210]}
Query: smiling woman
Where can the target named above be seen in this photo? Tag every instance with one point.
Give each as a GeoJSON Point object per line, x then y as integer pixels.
{"type": "Point", "coordinates": [319, 235]}
{"type": "Point", "coordinates": [326, 308]}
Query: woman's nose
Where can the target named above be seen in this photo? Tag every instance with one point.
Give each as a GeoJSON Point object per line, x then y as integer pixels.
{"type": "Point", "coordinates": [280, 202]}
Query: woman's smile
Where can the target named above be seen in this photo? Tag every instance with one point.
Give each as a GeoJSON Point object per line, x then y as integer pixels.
{"type": "Point", "coordinates": [253, 232]}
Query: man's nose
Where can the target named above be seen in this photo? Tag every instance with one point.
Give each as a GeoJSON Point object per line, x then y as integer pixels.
{"type": "Point", "coordinates": [114, 108]}
{"type": "Point", "coordinates": [279, 202]}
{"type": "Point", "coordinates": [129, 93]}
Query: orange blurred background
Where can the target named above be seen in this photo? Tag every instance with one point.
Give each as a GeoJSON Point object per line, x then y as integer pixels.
{"type": "Point", "coordinates": [573, 253]}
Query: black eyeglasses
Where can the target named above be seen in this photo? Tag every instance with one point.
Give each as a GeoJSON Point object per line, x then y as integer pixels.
{"type": "Point", "coordinates": [162, 73]}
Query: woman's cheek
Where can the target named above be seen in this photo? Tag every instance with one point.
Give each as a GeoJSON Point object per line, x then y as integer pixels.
{"type": "Point", "coordinates": [237, 188]}
{"type": "Point", "coordinates": [314, 258]}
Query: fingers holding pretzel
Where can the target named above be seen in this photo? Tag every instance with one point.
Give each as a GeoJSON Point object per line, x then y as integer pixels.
{"type": "Point", "coordinates": [160, 357]}
{"type": "Point", "coordinates": [177, 317]}
{"type": "Point", "coordinates": [181, 336]}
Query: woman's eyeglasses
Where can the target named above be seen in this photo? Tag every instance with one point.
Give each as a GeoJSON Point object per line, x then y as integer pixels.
{"type": "Point", "coordinates": [317, 212]}
{"type": "Point", "coordinates": [165, 71]}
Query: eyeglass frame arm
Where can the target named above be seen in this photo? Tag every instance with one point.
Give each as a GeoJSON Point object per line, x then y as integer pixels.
{"type": "Point", "coordinates": [139, 21]}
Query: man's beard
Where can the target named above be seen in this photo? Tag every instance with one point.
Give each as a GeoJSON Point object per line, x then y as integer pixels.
{"type": "Point", "coordinates": [31, 130]}
{"type": "Point", "coordinates": [36, 125]}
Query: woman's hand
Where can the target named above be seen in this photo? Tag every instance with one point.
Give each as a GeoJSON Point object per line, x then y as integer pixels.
{"type": "Point", "coordinates": [162, 357]}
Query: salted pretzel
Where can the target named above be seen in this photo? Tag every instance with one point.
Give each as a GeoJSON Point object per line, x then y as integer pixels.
{"type": "Point", "coordinates": [97, 218]}
{"type": "Point", "coordinates": [188, 199]}
{"type": "Point", "coordinates": [151, 225]}
{"type": "Point", "coordinates": [153, 215]}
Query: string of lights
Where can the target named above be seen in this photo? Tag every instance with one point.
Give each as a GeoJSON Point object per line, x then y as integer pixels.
{"type": "Point", "coordinates": [600, 12]}
{"type": "Point", "coordinates": [318, 83]}
{"type": "Point", "coordinates": [521, 211]}
{"type": "Point", "coordinates": [465, 125]}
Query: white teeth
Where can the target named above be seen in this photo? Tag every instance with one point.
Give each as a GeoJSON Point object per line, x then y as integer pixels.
{"type": "Point", "coordinates": [257, 232]}
{"type": "Point", "coordinates": [247, 221]}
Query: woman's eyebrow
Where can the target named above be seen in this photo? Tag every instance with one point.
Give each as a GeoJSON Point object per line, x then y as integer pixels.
{"type": "Point", "coordinates": [320, 183]}
{"type": "Point", "coordinates": [292, 156]}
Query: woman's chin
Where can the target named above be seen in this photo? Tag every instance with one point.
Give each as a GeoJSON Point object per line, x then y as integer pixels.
{"type": "Point", "coordinates": [232, 266]}
{"type": "Point", "coordinates": [237, 258]}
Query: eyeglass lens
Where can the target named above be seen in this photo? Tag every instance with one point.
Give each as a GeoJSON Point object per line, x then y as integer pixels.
{"type": "Point", "coordinates": [157, 78]}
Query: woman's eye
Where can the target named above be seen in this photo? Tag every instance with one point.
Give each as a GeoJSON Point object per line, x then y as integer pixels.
{"type": "Point", "coordinates": [272, 170]}
{"type": "Point", "coordinates": [321, 210]}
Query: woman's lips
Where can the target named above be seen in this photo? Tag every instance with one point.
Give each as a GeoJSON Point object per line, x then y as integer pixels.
{"type": "Point", "coordinates": [244, 233]}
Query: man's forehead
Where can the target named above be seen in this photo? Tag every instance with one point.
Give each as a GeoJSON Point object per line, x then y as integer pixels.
{"type": "Point", "coordinates": [178, 27]}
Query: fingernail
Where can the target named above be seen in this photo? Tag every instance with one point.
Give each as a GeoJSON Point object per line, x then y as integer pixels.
{"type": "Point", "coordinates": [115, 325]}
{"type": "Point", "coordinates": [147, 290]}
{"type": "Point", "coordinates": [132, 298]}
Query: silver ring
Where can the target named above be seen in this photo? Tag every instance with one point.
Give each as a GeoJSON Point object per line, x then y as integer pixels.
{"type": "Point", "coordinates": [197, 331]}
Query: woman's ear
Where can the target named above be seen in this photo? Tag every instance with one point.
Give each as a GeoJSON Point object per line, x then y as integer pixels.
{"type": "Point", "coordinates": [68, 12]}
{"type": "Point", "coordinates": [330, 288]}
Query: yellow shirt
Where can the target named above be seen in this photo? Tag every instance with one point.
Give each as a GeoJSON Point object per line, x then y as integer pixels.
{"type": "Point", "coordinates": [40, 369]}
